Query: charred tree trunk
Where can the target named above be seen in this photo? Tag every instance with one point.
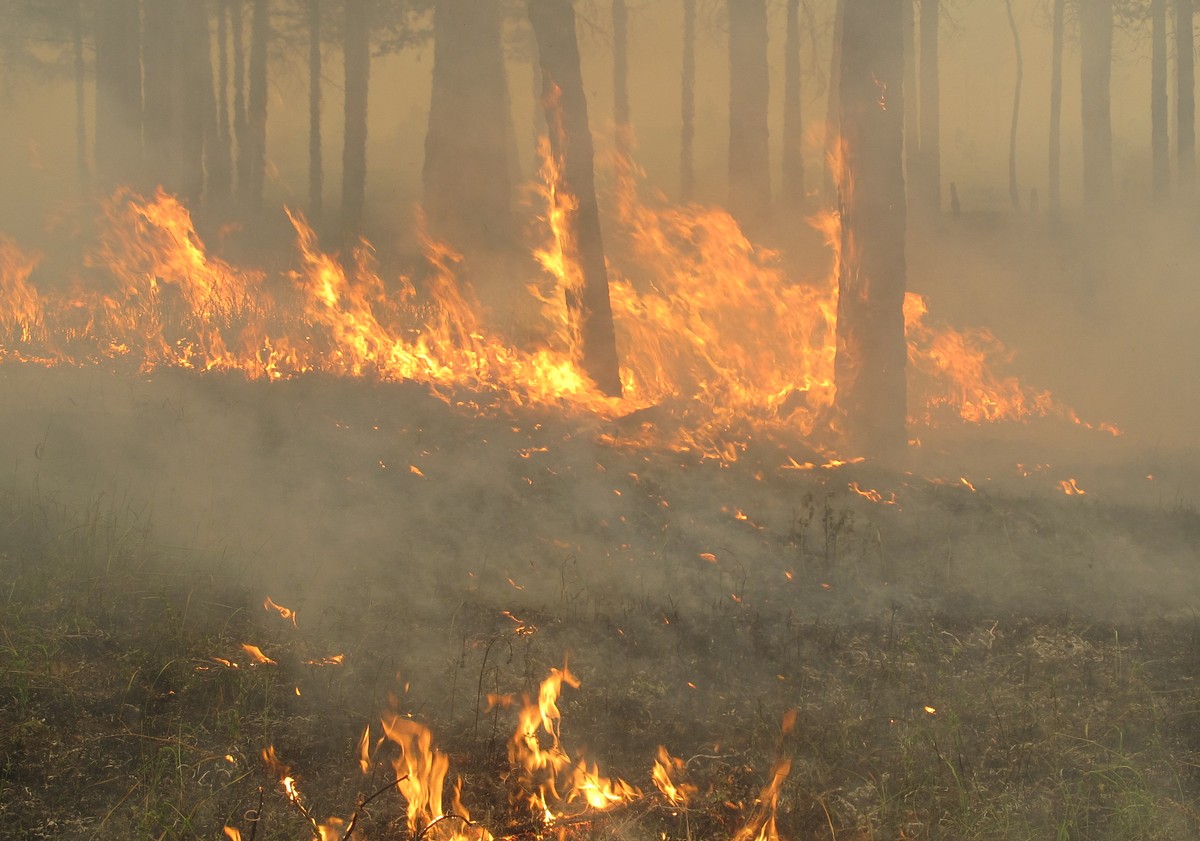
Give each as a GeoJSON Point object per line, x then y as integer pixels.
{"type": "Point", "coordinates": [687, 140]}
{"type": "Point", "coordinates": [622, 127]}
{"type": "Point", "coordinates": [256, 109]}
{"type": "Point", "coordinates": [354, 151]}
{"type": "Point", "coordinates": [1013, 191]}
{"type": "Point", "coordinates": [588, 305]}
{"type": "Point", "coordinates": [833, 128]}
{"type": "Point", "coordinates": [206, 98]}
{"type": "Point", "coordinates": [1159, 140]}
{"type": "Point", "coordinates": [928, 191]}
{"type": "Point", "coordinates": [315, 175]}
{"type": "Point", "coordinates": [241, 124]}
{"type": "Point", "coordinates": [1095, 48]}
{"type": "Point", "coordinates": [84, 172]}
{"type": "Point", "coordinates": [468, 176]}
{"type": "Point", "coordinates": [749, 160]}
{"type": "Point", "coordinates": [1056, 83]}
{"type": "Point", "coordinates": [220, 156]}
{"type": "Point", "coordinates": [793, 124]}
{"type": "Point", "coordinates": [871, 351]}
{"type": "Point", "coordinates": [1185, 98]}
{"type": "Point", "coordinates": [912, 132]}
{"type": "Point", "coordinates": [118, 93]}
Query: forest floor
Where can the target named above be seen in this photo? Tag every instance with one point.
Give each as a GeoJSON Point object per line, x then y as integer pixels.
{"type": "Point", "coordinates": [972, 653]}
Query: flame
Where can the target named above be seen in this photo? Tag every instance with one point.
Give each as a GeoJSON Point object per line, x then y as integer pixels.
{"type": "Point", "coordinates": [1071, 488]}
{"type": "Point", "coordinates": [666, 767]}
{"type": "Point", "coordinates": [542, 772]}
{"type": "Point", "coordinates": [287, 614]}
{"type": "Point", "coordinates": [255, 652]}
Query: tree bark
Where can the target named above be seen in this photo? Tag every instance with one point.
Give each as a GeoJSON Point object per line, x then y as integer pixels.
{"type": "Point", "coordinates": [241, 123]}
{"type": "Point", "coordinates": [161, 109]}
{"type": "Point", "coordinates": [588, 306]}
{"type": "Point", "coordinates": [833, 111]}
{"type": "Point", "coordinates": [1185, 105]}
{"type": "Point", "coordinates": [622, 127]}
{"type": "Point", "coordinates": [83, 171]}
{"type": "Point", "coordinates": [912, 131]}
{"type": "Point", "coordinates": [871, 352]}
{"type": "Point", "coordinates": [687, 139]}
{"type": "Point", "coordinates": [315, 174]}
{"type": "Point", "coordinates": [118, 93]}
{"type": "Point", "coordinates": [1056, 84]}
{"type": "Point", "coordinates": [1159, 140]}
{"type": "Point", "coordinates": [793, 124]}
{"type": "Point", "coordinates": [220, 175]}
{"type": "Point", "coordinates": [256, 111]}
{"type": "Point", "coordinates": [357, 54]}
{"type": "Point", "coordinates": [1095, 48]}
{"type": "Point", "coordinates": [749, 161]}
{"type": "Point", "coordinates": [194, 105]}
{"type": "Point", "coordinates": [468, 175]}
{"type": "Point", "coordinates": [928, 191]}
{"type": "Point", "coordinates": [1013, 191]}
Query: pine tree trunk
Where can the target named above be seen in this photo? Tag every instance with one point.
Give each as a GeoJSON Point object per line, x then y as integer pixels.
{"type": "Point", "coordinates": [206, 99]}
{"type": "Point", "coordinates": [871, 351]}
{"type": "Point", "coordinates": [687, 140]}
{"type": "Point", "coordinates": [1014, 194]}
{"type": "Point", "coordinates": [468, 176]}
{"type": "Point", "coordinates": [1185, 106]}
{"type": "Point", "coordinates": [241, 124]}
{"type": "Point", "coordinates": [1159, 140]}
{"type": "Point", "coordinates": [912, 131]}
{"type": "Point", "coordinates": [84, 172]}
{"type": "Point", "coordinates": [1056, 84]}
{"type": "Point", "coordinates": [220, 174]}
{"type": "Point", "coordinates": [749, 161]}
{"type": "Point", "coordinates": [357, 54]}
{"type": "Point", "coordinates": [928, 191]}
{"type": "Point", "coordinates": [256, 111]}
{"type": "Point", "coordinates": [315, 175]}
{"type": "Point", "coordinates": [193, 99]}
{"type": "Point", "coordinates": [1095, 48]}
{"type": "Point", "coordinates": [118, 93]}
{"type": "Point", "coordinates": [793, 125]}
{"type": "Point", "coordinates": [833, 111]}
{"type": "Point", "coordinates": [160, 87]}
{"type": "Point", "coordinates": [620, 21]}
{"type": "Point", "coordinates": [588, 305]}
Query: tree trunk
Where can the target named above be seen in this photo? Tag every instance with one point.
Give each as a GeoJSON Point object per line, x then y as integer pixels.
{"type": "Point", "coordinates": [1013, 191]}
{"type": "Point", "coordinates": [687, 139]}
{"type": "Point", "coordinates": [84, 172]}
{"type": "Point", "coordinates": [118, 93]}
{"type": "Point", "coordinates": [315, 175]}
{"type": "Point", "coordinates": [1056, 84]}
{"type": "Point", "coordinates": [833, 129]}
{"type": "Point", "coordinates": [912, 132]}
{"type": "Point", "coordinates": [241, 125]}
{"type": "Point", "coordinates": [871, 352]}
{"type": "Point", "coordinates": [160, 105]}
{"type": "Point", "coordinates": [193, 96]}
{"type": "Point", "coordinates": [256, 112]}
{"type": "Point", "coordinates": [1185, 107]}
{"type": "Point", "coordinates": [749, 161]}
{"type": "Point", "coordinates": [622, 127]}
{"type": "Point", "coordinates": [220, 174]}
{"type": "Point", "coordinates": [468, 176]}
{"type": "Point", "coordinates": [793, 124]}
{"type": "Point", "coordinates": [1095, 49]}
{"type": "Point", "coordinates": [357, 54]}
{"type": "Point", "coordinates": [928, 191]}
{"type": "Point", "coordinates": [588, 306]}
{"type": "Point", "coordinates": [1159, 141]}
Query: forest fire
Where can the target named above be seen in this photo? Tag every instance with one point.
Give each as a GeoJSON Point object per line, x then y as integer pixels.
{"type": "Point", "coordinates": [713, 330]}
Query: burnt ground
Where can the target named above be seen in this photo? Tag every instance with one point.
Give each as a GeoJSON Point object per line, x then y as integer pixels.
{"type": "Point", "coordinates": [1008, 662]}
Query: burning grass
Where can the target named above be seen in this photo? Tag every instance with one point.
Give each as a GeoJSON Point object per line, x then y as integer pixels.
{"type": "Point", "coordinates": [993, 661]}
